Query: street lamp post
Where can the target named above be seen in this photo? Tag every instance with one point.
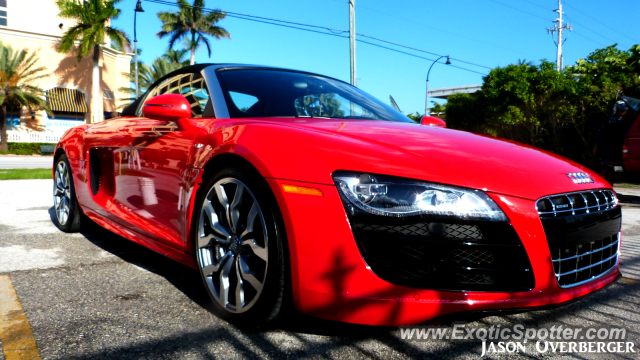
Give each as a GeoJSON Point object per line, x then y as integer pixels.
{"type": "Point", "coordinates": [135, 43]}
{"type": "Point", "coordinates": [426, 102]}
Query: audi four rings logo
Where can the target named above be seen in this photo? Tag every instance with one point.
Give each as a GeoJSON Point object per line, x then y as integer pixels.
{"type": "Point", "coordinates": [580, 178]}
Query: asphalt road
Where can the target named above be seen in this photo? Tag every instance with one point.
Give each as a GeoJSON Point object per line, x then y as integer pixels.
{"type": "Point", "coordinates": [26, 162]}
{"type": "Point", "coordinates": [96, 295]}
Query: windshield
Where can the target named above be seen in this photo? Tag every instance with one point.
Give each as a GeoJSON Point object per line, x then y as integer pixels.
{"type": "Point", "coordinates": [279, 93]}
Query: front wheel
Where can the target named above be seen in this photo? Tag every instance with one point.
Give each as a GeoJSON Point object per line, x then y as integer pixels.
{"type": "Point", "coordinates": [239, 248]}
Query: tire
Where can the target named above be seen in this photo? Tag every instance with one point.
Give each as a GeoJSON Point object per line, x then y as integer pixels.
{"type": "Point", "coordinates": [240, 247]}
{"type": "Point", "coordinates": [68, 217]}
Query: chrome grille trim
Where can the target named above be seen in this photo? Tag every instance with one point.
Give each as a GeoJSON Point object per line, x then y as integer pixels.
{"type": "Point", "coordinates": [611, 201]}
{"type": "Point", "coordinates": [587, 267]}
{"type": "Point", "coordinates": [576, 270]}
{"type": "Point", "coordinates": [587, 253]}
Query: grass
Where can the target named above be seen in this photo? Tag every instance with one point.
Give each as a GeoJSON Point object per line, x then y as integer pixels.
{"type": "Point", "coordinates": [15, 174]}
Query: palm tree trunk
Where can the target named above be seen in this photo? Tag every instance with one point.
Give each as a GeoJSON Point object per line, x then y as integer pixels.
{"type": "Point", "coordinates": [95, 91]}
{"type": "Point", "coordinates": [4, 146]}
{"type": "Point", "coordinates": [193, 56]}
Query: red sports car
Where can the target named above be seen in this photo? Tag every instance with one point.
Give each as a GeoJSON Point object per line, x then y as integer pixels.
{"type": "Point", "coordinates": [278, 184]}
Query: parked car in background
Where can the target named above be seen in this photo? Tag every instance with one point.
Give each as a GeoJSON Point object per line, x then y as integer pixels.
{"type": "Point", "coordinates": [631, 147]}
{"type": "Point", "coordinates": [282, 185]}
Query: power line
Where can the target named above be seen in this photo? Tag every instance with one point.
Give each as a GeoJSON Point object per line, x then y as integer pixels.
{"type": "Point", "coordinates": [601, 23]}
{"type": "Point", "coordinates": [532, 3]}
{"type": "Point", "coordinates": [424, 51]}
{"type": "Point", "coordinates": [417, 56]}
{"type": "Point", "coordinates": [590, 39]}
{"type": "Point", "coordinates": [586, 28]}
{"type": "Point", "coordinates": [522, 11]}
{"type": "Point", "coordinates": [332, 32]}
{"type": "Point", "coordinates": [444, 31]}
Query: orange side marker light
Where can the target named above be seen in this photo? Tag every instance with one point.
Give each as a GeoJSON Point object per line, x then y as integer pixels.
{"type": "Point", "coordinates": [302, 190]}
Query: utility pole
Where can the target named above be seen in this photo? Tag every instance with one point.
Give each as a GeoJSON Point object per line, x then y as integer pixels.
{"type": "Point", "coordinates": [352, 39]}
{"type": "Point", "coordinates": [559, 28]}
{"type": "Point", "coordinates": [352, 49]}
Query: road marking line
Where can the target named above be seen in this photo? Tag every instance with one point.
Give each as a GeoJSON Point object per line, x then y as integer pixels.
{"type": "Point", "coordinates": [15, 332]}
{"type": "Point", "coordinates": [628, 280]}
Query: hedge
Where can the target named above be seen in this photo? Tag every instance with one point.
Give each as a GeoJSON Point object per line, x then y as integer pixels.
{"type": "Point", "coordinates": [24, 148]}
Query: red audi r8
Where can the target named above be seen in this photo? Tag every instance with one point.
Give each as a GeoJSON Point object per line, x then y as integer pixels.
{"type": "Point", "coordinates": [279, 184]}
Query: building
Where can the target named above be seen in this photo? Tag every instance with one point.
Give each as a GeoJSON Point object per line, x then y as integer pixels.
{"type": "Point", "coordinates": [444, 93]}
{"type": "Point", "coordinates": [30, 24]}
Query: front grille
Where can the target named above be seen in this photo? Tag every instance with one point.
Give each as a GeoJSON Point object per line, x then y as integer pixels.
{"type": "Point", "coordinates": [576, 203]}
{"type": "Point", "coordinates": [444, 254]}
{"type": "Point", "coordinates": [450, 231]}
{"type": "Point", "coordinates": [583, 233]}
{"type": "Point", "coordinates": [578, 264]}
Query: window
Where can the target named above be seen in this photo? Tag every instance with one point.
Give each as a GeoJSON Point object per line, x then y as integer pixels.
{"type": "Point", "coordinates": [278, 93]}
{"type": "Point", "coordinates": [191, 86]}
{"type": "Point", "coordinates": [3, 13]}
{"type": "Point", "coordinates": [243, 101]}
{"type": "Point", "coordinates": [108, 94]}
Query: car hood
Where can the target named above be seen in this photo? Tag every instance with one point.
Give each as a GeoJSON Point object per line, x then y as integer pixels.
{"type": "Point", "coordinates": [448, 156]}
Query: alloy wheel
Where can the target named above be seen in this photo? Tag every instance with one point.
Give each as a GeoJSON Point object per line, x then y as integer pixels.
{"type": "Point", "coordinates": [62, 193]}
{"type": "Point", "coordinates": [232, 245]}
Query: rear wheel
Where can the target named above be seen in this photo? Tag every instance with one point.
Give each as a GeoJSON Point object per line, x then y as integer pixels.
{"type": "Point", "coordinates": [67, 213]}
{"type": "Point", "coordinates": [239, 248]}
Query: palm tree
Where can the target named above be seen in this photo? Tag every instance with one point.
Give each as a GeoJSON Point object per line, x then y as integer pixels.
{"type": "Point", "coordinates": [148, 75]}
{"type": "Point", "coordinates": [176, 56]}
{"type": "Point", "coordinates": [17, 72]}
{"type": "Point", "coordinates": [189, 23]}
{"type": "Point", "coordinates": [93, 26]}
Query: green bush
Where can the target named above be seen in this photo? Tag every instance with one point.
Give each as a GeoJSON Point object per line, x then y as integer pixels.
{"type": "Point", "coordinates": [19, 148]}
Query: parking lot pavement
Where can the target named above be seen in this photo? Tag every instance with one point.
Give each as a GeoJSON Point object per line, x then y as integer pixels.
{"type": "Point", "coordinates": [96, 295]}
{"type": "Point", "coordinates": [26, 162]}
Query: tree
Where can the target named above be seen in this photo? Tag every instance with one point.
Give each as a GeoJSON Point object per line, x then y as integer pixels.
{"type": "Point", "coordinates": [92, 28]}
{"type": "Point", "coordinates": [176, 56]}
{"type": "Point", "coordinates": [417, 117]}
{"type": "Point", "coordinates": [437, 109]}
{"type": "Point", "coordinates": [190, 24]}
{"type": "Point", "coordinates": [18, 70]}
{"type": "Point", "coordinates": [556, 111]}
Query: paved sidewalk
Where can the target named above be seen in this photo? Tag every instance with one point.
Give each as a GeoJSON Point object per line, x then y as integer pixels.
{"type": "Point", "coordinates": [26, 162]}
{"type": "Point", "coordinates": [630, 259]}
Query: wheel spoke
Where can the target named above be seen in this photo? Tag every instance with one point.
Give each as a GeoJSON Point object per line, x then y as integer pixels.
{"type": "Point", "coordinates": [239, 286]}
{"type": "Point", "coordinates": [222, 198]}
{"type": "Point", "coordinates": [215, 224]}
{"type": "Point", "coordinates": [257, 249]}
{"type": "Point", "coordinates": [251, 220]}
{"type": "Point", "coordinates": [249, 275]}
{"type": "Point", "coordinates": [233, 208]}
{"type": "Point", "coordinates": [224, 282]}
{"type": "Point", "coordinates": [210, 269]}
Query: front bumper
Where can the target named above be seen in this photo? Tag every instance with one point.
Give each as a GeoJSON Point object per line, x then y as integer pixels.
{"type": "Point", "coordinates": [330, 279]}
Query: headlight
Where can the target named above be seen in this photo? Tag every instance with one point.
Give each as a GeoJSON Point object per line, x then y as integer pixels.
{"type": "Point", "coordinates": [397, 197]}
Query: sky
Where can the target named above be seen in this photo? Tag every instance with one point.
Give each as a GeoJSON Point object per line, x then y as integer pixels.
{"type": "Point", "coordinates": [489, 33]}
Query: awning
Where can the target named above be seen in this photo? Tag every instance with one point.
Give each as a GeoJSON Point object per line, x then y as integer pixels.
{"type": "Point", "coordinates": [67, 100]}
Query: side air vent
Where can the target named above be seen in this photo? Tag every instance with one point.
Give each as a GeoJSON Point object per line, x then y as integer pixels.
{"type": "Point", "coordinates": [94, 172]}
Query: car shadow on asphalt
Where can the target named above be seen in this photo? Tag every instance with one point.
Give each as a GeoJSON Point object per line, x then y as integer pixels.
{"type": "Point", "coordinates": [333, 336]}
{"type": "Point", "coordinates": [628, 199]}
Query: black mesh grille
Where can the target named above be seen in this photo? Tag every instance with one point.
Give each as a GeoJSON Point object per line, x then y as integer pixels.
{"type": "Point", "coordinates": [424, 252]}
{"type": "Point", "coordinates": [582, 231]}
{"type": "Point", "coordinates": [94, 172]}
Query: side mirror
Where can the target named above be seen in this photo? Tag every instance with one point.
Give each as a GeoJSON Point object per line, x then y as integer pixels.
{"type": "Point", "coordinates": [169, 107]}
{"type": "Point", "coordinates": [433, 121]}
